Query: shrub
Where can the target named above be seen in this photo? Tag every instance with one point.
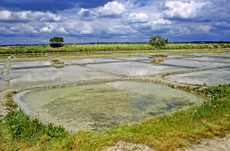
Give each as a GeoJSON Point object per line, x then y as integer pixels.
{"type": "Point", "coordinates": [157, 41]}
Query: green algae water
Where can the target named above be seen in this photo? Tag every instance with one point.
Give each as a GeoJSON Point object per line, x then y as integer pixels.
{"type": "Point", "coordinates": [99, 106]}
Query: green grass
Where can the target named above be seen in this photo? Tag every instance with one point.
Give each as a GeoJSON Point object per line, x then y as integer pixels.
{"type": "Point", "coordinates": [103, 47]}
{"type": "Point", "coordinates": [164, 132]}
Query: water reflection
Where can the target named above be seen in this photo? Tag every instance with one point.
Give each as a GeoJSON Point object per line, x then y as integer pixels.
{"type": "Point", "coordinates": [210, 59]}
{"type": "Point", "coordinates": [210, 77]}
{"type": "Point", "coordinates": [99, 106]}
{"type": "Point", "coordinates": [134, 68]}
{"type": "Point", "coordinates": [1, 65]}
{"type": "Point", "coordinates": [93, 60]}
{"type": "Point", "coordinates": [33, 63]}
{"type": "Point", "coordinates": [189, 63]}
{"type": "Point", "coordinates": [31, 77]}
{"type": "Point", "coordinates": [134, 58]}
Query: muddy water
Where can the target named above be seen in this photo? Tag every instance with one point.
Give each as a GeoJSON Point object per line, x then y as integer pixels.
{"type": "Point", "coordinates": [99, 106]}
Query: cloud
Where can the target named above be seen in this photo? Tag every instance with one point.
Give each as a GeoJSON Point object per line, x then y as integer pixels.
{"type": "Point", "coordinates": [79, 28]}
{"type": "Point", "coordinates": [87, 29]}
{"type": "Point", "coordinates": [53, 28]}
{"type": "Point", "coordinates": [83, 13]}
{"type": "Point", "coordinates": [22, 29]}
{"type": "Point", "coordinates": [49, 5]}
{"type": "Point", "coordinates": [202, 28]}
{"type": "Point", "coordinates": [62, 30]}
{"type": "Point", "coordinates": [111, 9]}
{"type": "Point", "coordinates": [27, 16]}
{"type": "Point", "coordinates": [138, 18]}
{"type": "Point", "coordinates": [185, 10]}
{"type": "Point", "coordinates": [121, 29]}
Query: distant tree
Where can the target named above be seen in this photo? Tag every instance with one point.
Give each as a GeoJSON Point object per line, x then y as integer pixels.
{"type": "Point", "coordinates": [220, 42]}
{"type": "Point", "coordinates": [157, 41]}
{"type": "Point", "coordinates": [206, 42]}
{"type": "Point", "coordinates": [56, 41]}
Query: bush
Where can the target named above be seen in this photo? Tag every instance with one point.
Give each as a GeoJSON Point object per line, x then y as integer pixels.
{"type": "Point", "coordinates": [157, 41]}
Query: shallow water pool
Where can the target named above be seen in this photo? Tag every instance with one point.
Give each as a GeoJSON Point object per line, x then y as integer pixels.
{"type": "Point", "coordinates": [41, 76]}
{"type": "Point", "coordinates": [99, 106]}
{"type": "Point", "coordinates": [210, 77]}
{"type": "Point", "coordinates": [133, 68]}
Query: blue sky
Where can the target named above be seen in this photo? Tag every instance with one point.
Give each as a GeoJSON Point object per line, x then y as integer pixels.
{"type": "Point", "coordinates": [82, 21]}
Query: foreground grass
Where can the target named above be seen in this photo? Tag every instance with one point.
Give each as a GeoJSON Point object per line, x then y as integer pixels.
{"type": "Point", "coordinates": [103, 47]}
{"type": "Point", "coordinates": [164, 132]}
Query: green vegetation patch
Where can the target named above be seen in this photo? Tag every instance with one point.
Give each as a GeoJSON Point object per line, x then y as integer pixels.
{"type": "Point", "coordinates": [105, 47]}
{"type": "Point", "coordinates": [164, 132]}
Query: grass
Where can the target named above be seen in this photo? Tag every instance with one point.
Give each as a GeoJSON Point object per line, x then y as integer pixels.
{"type": "Point", "coordinates": [164, 132]}
{"type": "Point", "coordinates": [103, 47]}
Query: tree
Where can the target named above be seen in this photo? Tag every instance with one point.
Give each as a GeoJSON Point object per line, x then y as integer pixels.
{"type": "Point", "coordinates": [56, 41]}
{"type": "Point", "coordinates": [157, 41]}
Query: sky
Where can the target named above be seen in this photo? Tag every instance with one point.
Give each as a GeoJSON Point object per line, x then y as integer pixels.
{"type": "Point", "coordinates": [84, 21]}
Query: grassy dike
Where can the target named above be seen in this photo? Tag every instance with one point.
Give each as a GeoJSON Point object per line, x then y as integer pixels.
{"type": "Point", "coordinates": [163, 132]}
{"type": "Point", "coordinates": [104, 47]}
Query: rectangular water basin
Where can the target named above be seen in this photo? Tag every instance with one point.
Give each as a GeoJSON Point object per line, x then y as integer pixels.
{"type": "Point", "coordinates": [210, 59]}
{"type": "Point", "coordinates": [134, 58]}
{"type": "Point", "coordinates": [39, 76]}
{"type": "Point", "coordinates": [93, 60]}
{"type": "Point", "coordinates": [210, 77]}
{"type": "Point", "coordinates": [188, 63]}
{"type": "Point", "coordinates": [2, 65]}
{"type": "Point", "coordinates": [28, 64]}
{"type": "Point", "coordinates": [134, 68]}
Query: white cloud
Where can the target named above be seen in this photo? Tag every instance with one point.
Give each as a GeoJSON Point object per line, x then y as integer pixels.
{"type": "Point", "coordinates": [84, 13]}
{"type": "Point", "coordinates": [23, 29]}
{"type": "Point", "coordinates": [111, 9]}
{"type": "Point", "coordinates": [51, 27]}
{"type": "Point", "coordinates": [184, 31]}
{"type": "Point", "coordinates": [202, 28]}
{"type": "Point", "coordinates": [6, 15]}
{"type": "Point", "coordinates": [121, 29]}
{"type": "Point", "coordinates": [77, 28]}
{"type": "Point", "coordinates": [45, 29]}
{"type": "Point", "coordinates": [87, 29]}
{"type": "Point", "coordinates": [62, 30]}
{"type": "Point", "coordinates": [2, 28]}
{"type": "Point", "coordinates": [181, 32]}
{"type": "Point", "coordinates": [138, 18]}
{"type": "Point", "coordinates": [184, 10]}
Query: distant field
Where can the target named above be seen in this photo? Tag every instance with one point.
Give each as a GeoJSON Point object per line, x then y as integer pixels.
{"type": "Point", "coordinates": [104, 47]}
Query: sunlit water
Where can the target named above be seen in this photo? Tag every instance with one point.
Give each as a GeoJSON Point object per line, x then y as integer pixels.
{"type": "Point", "coordinates": [28, 64]}
{"type": "Point", "coordinates": [39, 76]}
{"type": "Point", "coordinates": [210, 77]}
{"type": "Point", "coordinates": [133, 68]}
{"type": "Point", "coordinates": [210, 59]}
{"type": "Point", "coordinates": [189, 63]}
{"type": "Point", "coordinates": [93, 60]}
{"type": "Point", "coordinates": [99, 106]}
{"type": "Point", "coordinates": [1, 65]}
